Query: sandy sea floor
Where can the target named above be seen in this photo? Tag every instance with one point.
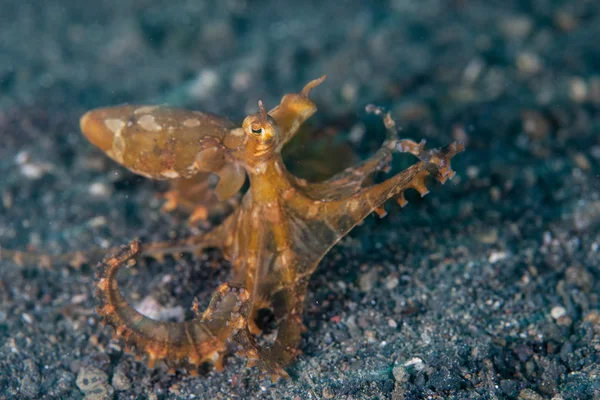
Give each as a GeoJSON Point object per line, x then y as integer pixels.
{"type": "Point", "coordinates": [487, 288]}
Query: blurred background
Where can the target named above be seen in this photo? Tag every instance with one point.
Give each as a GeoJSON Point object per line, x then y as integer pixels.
{"type": "Point", "coordinates": [486, 288]}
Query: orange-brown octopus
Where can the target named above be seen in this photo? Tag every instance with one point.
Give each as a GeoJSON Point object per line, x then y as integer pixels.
{"type": "Point", "coordinates": [275, 238]}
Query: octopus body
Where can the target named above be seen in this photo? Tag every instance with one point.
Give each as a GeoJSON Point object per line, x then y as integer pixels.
{"type": "Point", "coordinates": [274, 239]}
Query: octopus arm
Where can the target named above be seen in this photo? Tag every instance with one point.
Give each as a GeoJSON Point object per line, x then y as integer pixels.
{"type": "Point", "coordinates": [294, 109]}
{"type": "Point", "coordinates": [186, 344]}
{"type": "Point", "coordinates": [317, 225]}
{"type": "Point", "coordinates": [352, 180]}
{"type": "Point", "coordinates": [181, 345]}
{"type": "Point", "coordinates": [295, 239]}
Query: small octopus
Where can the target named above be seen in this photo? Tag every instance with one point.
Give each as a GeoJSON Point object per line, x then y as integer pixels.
{"type": "Point", "coordinates": [274, 239]}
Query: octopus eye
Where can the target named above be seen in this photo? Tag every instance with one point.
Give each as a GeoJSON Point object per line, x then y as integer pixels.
{"type": "Point", "coordinates": [258, 130]}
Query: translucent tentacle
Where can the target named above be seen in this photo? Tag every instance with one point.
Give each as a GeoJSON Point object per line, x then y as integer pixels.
{"type": "Point", "coordinates": [353, 179]}
{"type": "Point", "coordinates": [187, 344]}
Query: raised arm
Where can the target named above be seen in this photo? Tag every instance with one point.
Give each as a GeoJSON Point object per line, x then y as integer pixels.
{"type": "Point", "coordinates": [294, 109]}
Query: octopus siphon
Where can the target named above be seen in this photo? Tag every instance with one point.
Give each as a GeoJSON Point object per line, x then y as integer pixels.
{"type": "Point", "coordinates": [274, 239]}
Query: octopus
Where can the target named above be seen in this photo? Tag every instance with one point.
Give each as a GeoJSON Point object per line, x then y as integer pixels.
{"type": "Point", "coordinates": [274, 238]}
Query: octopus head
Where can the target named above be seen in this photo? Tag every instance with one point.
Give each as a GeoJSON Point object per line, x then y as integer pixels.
{"type": "Point", "coordinates": [262, 134]}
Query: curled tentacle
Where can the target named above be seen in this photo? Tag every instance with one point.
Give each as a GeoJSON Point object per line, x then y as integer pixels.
{"type": "Point", "coordinates": [352, 180]}
{"type": "Point", "coordinates": [187, 344]}
{"type": "Point", "coordinates": [412, 147]}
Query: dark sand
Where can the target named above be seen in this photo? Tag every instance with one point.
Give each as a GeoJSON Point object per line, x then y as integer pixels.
{"type": "Point", "coordinates": [485, 289]}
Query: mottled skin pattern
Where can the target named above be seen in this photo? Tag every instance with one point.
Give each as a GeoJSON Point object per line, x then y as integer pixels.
{"type": "Point", "coordinates": [274, 239]}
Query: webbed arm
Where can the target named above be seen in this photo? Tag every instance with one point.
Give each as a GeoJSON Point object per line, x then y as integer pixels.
{"type": "Point", "coordinates": [303, 229]}
{"type": "Point", "coordinates": [297, 231]}
{"type": "Point", "coordinates": [318, 224]}
{"type": "Point", "coordinates": [310, 228]}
